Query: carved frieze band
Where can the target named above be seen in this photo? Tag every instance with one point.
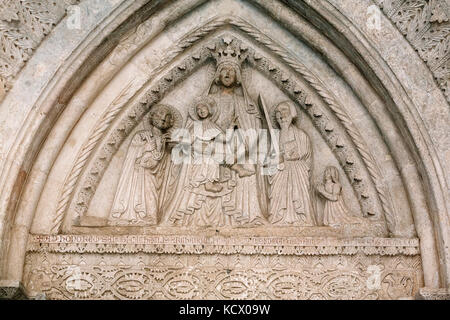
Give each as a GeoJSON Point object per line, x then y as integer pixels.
{"type": "Point", "coordinates": [236, 276]}
{"type": "Point", "coordinates": [221, 245]}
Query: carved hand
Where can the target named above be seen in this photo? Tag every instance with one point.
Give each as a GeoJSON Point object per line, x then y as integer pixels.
{"type": "Point", "coordinates": [167, 136]}
{"type": "Point", "coordinates": [292, 155]}
{"type": "Point", "coordinates": [143, 136]}
{"type": "Point", "coordinates": [146, 161]}
{"type": "Point", "coordinates": [320, 188]}
{"type": "Point", "coordinates": [152, 145]}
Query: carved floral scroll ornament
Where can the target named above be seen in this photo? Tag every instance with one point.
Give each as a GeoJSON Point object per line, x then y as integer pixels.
{"type": "Point", "coordinates": [426, 25]}
{"type": "Point", "coordinates": [23, 25]}
{"type": "Point", "coordinates": [143, 267]}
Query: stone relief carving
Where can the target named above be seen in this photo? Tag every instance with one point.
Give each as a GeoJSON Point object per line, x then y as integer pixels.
{"type": "Point", "coordinates": [202, 182]}
{"type": "Point", "coordinates": [139, 196]}
{"type": "Point", "coordinates": [12, 290]}
{"type": "Point", "coordinates": [221, 192]}
{"type": "Point", "coordinates": [258, 61]}
{"type": "Point", "coordinates": [335, 211]}
{"type": "Point", "coordinates": [222, 277]}
{"type": "Point", "coordinates": [23, 25]}
{"type": "Point", "coordinates": [63, 267]}
{"type": "Point", "coordinates": [241, 201]}
{"type": "Point", "coordinates": [338, 143]}
{"type": "Point", "coordinates": [85, 152]}
{"type": "Point", "coordinates": [160, 266]}
{"type": "Point", "coordinates": [290, 191]}
{"type": "Point", "coordinates": [426, 25]}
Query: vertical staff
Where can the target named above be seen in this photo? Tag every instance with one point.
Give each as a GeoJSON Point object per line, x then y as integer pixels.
{"type": "Point", "coordinates": [273, 135]}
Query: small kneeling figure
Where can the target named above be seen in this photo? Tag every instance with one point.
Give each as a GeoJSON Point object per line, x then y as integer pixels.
{"type": "Point", "coordinates": [335, 212]}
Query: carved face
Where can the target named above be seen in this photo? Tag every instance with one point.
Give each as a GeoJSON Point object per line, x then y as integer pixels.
{"type": "Point", "coordinates": [284, 115]}
{"type": "Point", "coordinates": [227, 76]}
{"type": "Point", "coordinates": [202, 111]}
{"type": "Point", "coordinates": [331, 174]}
{"type": "Point", "coordinates": [162, 119]}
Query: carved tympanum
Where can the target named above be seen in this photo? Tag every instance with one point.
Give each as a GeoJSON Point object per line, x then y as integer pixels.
{"type": "Point", "coordinates": [205, 174]}
{"type": "Point", "coordinates": [222, 168]}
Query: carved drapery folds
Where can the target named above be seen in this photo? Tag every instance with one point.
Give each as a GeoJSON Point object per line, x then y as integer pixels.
{"type": "Point", "coordinates": [373, 197]}
{"type": "Point", "coordinates": [23, 25]}
{"type": "Point", "coordinates": [145, 172]}
{"type": "Point", "coordinates": [347, 157]}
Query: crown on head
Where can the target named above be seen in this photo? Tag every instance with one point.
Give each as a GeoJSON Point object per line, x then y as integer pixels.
{"type": "Point", "coordinates": [228, 51]}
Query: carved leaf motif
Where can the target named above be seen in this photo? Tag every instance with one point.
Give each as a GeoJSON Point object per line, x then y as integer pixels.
{"type": "Point", "coordinates": [236, 286]}
{"type": "Point", "coordinates": [132, 285]}
{"type": "Point", "coordinates": [8, 10]}
{"type": "Point", "coordinates": [183, 286]}
{"type": "Point", "coordinates": [23, 25]}
{"type": "Point", "coordinates": [439, 11]}
{"type": "Point", "coordinates": [286, 286]}
{"type": "Point", "coordinates": [186, 276]}
{"type": "Point", "coordinates": [425, 23]}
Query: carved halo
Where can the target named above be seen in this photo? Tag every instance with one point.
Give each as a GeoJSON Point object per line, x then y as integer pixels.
{"type": "Point", "coordinates": [294, 113]}
{"type": "Point", "coordinates": [212, 106]}
{"type": "Point", "coordinates": [176, 116]}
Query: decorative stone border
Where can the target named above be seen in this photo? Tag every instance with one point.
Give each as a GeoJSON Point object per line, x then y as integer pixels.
{"type": "Point", "coordinates": [12, 290]}
{"type": "Point", "coordinates": [433, 294]}
{"type": "Point", "coordinates": [221, 245]}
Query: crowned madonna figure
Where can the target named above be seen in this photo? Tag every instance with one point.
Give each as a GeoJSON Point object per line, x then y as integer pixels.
{"type": "Point", "coordinates": [245, 204]}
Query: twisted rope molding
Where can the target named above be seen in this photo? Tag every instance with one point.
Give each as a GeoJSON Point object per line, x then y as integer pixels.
{"type": "Point", "coordinates": [311, 78]}
{"type": "Point", "coordinates": [100, 128]}
{"type": "Point", "coordinates": [331, 100]}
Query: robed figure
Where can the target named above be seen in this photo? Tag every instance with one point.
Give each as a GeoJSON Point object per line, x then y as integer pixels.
{"type": "Point", "coordinates": [139, 194]}
{"type": "Point", "coordinates": [290, 202]}
{"type": "Point", "coordinates": [242, 200]}
{"type": "Point", "coordinates": [196, 200]}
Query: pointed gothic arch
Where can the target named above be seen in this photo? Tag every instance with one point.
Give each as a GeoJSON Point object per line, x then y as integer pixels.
{"type": "Point", "coordinates": [110, 49]}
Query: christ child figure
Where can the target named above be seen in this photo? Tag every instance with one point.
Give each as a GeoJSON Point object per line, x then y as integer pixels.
{"type": "Point", "coordinates": [206, 140]}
